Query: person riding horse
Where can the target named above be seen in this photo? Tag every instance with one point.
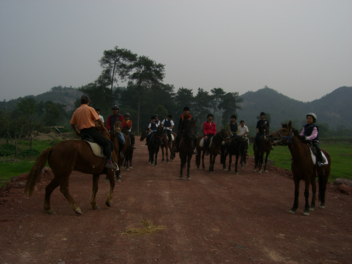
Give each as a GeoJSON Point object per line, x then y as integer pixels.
{"type": "Point", "coordinates": [209, 130]}
{"type": "Point", "coordinates": [84, 117]}
{"type": "Point", "coordinates": [168, 124]}
{"type": "Point", "coordinates": [127, 124]}
{"type": "Point", "coordinates": [181, 128]}
{"type": "Point", "coordinates": [152, 128]}
{"type": "Point", "coordinates": [311, 133]}
{"type": "Point", "coordinates": [111, 123]}
{"type": "Point", "coordinates": [260, 129]}
{"type": "Point", "coordinates": [157, 120]}
{"type": "Point", "coordinates": [233, 126]}
{"type": "Point", "coordinates": [243, 131]}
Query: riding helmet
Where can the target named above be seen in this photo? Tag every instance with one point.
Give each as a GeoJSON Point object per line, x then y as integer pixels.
{"type": "Point", "coordinates": [156, 115]}
{"type": "Point", "coordinates": [153, 117]}
{"type": "Point", "coordinates": [127, 114]}
{"type": "Point", "coordinates": [233, 116]}
{"type": "Point", "coordinates": [97, 109]}
{"type": "Point", "coordinates": [262, 113]}
{"type": "Point", "coordinates": [170, 116]}
{"type": "Point", "coordinates": [210, 115]}
{"type": "Point", "coordinates": [312, 115]}
{"type": "Point", "coordinates": [115, 107]}
{"type": "Point", "coordinates": [186, 108]}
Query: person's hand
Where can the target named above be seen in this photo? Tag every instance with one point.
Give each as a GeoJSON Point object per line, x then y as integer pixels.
{"type": "Point", "coordinates": [206, 137]}
{"type": "Point", "coordinates": [78, 134]}
{"type": "Point", "coordinates": [307, 138]}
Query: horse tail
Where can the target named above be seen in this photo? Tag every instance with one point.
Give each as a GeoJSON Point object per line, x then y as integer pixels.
{"type": "Point", "coordinates": [36, 170]}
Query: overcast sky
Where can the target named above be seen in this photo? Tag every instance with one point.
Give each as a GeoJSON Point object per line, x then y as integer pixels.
{"type": "Point", "coordinates": [302, 49]}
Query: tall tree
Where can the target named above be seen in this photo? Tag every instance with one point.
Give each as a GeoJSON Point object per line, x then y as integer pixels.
{"type": "Point", "coordinates": [202, 104]}
{"type": "Point", "coordinates": [230, 104]}
{"type": "Point", "coordinates": [217, 95]}
{"type": "Point", "coordinates": [146, 73]}
{"type": "Point", "coordinates": [184, 97]}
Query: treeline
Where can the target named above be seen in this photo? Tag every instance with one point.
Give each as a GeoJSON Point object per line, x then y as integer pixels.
{"type": "Point", "coordinates": [146, 94]}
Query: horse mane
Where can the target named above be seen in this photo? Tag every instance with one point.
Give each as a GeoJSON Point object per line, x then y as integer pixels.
{"type": "Point", "coordinates": [294, 131]}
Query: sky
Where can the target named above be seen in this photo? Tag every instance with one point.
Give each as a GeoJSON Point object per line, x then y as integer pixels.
{"type": "Point", "coordinates": [301, 48]}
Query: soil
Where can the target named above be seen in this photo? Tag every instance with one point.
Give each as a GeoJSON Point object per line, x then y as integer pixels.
{"type": "Point", "coordinates": [214, 218]}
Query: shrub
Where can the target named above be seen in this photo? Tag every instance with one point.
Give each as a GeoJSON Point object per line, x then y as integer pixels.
{"type": "Point", "coordinates": [29, 152]}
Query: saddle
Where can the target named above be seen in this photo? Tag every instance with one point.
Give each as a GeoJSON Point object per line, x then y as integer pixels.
{"type": "Point", "coordinates": [201, 143]}
{"type": "Point", "coordinates": [313, 153]}
{"type": "Point", "coordinates": [95, 147]}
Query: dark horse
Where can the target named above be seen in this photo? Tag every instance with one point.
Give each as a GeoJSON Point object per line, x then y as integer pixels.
{"type": "Point", "coordinates": [128, 150]}
{"type": "Point", "coordinates": [165, 145]}
{"type": "Point", "coordinates": [214, 149]}
{"type": "Point", "coordinates": [186, 146]}
{"type": "Point", "coordinates": [302, 166]}
{"type": "Point", "coordinates": [238, 147]}
{"type": "Point", "coordinates": [63, 158]}
{"type": "Point", "coordinates": [154, 143]}
{"type": "Point", "coordinates": [264, 147]}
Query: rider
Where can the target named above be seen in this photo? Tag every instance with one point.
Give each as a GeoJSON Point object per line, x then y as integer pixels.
{"type": "Point", "coordinates": [111, 123]}
{"type": "Point", "coordinates": [157, 120]}
{"type": "Point", "coordinates": [233, 126]}
{"type": "Point", "coordinates": [311, 132]}
{"type": "Point", "coordinates": [84, 118]}
{"type": "Point", "coordinates": [243, 131]}
{"type": "Point", "coordinates": [127, 124]}
{"type": "Point", "coordinates": [209, 130]}
{"type": "Point", "coordinates": [168, 124]}
{"type": "Point", "coordinates": [152, 128]}
{"type": "Point", "coordinates": [261, 124]}
{"type": "Point", "coordinates": [98, 112]}
{"type": "Point", "coordinates": [182, 127]}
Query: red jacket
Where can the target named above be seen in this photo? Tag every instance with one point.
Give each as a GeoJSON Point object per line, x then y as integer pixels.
{"type": "Point", "coordinates": [112, 119]}
{"type": "Point", "coordinates": [209, 128]}
{"type": "Point", "coordinates": [127, 125]}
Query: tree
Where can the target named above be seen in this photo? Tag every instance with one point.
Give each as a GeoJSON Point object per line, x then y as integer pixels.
{"type": "Point", "coordinates": [217, 97]}
{"type": "Point", "coordinates": [146, 72]}
{"type": "Point", "coordinates": [161, 111]}
{"type": "Point", "coordinates": [54, 113]}
{"type": "Point", "coordinates": [184, 97]}
{"type": "Point", "coordinates": [16, 127]}
{"type": "Point", "coordinates": [116, 62]}
{"type": "Point", "coordinates": [230, 104]}
{"type": "Point", "coordinates": [267, 117]}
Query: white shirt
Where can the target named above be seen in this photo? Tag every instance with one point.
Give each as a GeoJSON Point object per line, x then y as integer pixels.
{"type": "Point", "coordinates": [242, 130]}
{"type": "Point", "coordinates": [168, 128]}
{"type": "Point", "coordinates": [102, 118]}
{"type": "Point", "coordinates": [150, 124]}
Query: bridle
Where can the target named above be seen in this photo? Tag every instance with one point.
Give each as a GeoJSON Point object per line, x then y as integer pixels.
{"type": "Point", "coordinates": [289, 138]}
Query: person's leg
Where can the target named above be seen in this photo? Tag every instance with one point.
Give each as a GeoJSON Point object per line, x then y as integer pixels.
{"type": "Point", "coordinates": [121, 143]}
{"type": "Point", "coordinates": [319, 156]}
{"type": "Point", "coordinates": [206, 146]}
{"type": "Point", "coordinates": [168, 132]}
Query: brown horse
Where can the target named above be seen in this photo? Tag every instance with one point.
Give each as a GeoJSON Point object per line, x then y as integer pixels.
{"type": "Point", "coordinates": [259, 151]}
{"type": "Point", "coordinates": [165, 145]}
{"type": "Point", "coordinates": [214, 149]}
{"type": "Point", "coordinates": [302, 166]}
{"type": "Point", "coordinates": [114, 139]}
{"type": "Point", "coordinates": [65, 157]}
{"type": "Point", "coordinates": [127, 150]}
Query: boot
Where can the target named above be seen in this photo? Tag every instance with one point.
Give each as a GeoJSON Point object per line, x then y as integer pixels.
{"type": "Point", "coordinates": [109, 164]}
{"type": "Point", "coordinates": [121, 155]}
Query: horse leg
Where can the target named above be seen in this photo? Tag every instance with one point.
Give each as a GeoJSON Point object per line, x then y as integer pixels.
{"type": "Point", "coordinates": [183, 161]}
{"type": "Point", "coordinates": [266, 160]}
{"type": "Point", "coordinates": [198, 158]}
{"type": "Point", "coordinates": [110, 174]}
{"type": "Point", "coordinates": [255, 160]}
{"type": "Point", "coordinates": [188, 166]}
{"type": "Point", "coordinates": [167, 152]}
{"type": "Point", "coordinates": [224, 162]}
{"type": "Point", "coordinates": [162, 153]}
{"type": "Point", "coordinates": [48, 191]}
{"type": "Point", "coordinates": [295, 203]}
{"type": "Point", "coordinates": [203, 160]}
{"type": "Point", "coordinates": [236, 171]}
{"type": "Point", "coordinates": [93, 203]}
{"type": "Point", "coordinates": [306, 196]}
{"type": "Point", "coordinates": [210, 159]}
{"type": "Point", "coordinates": [260, 162]}
{"type": "Point", "coordinates": [64, 190]}
{"type": "Point", "coordinates": [156, 157]}
{"type": "Point", "coordinates": [314, 190]}
{"type": "Point", "coordinates": [323, 180]}
{"type": "Point", "coordinates": [117, 174]}
{"type": "Point", "coordinates": [230, 162]}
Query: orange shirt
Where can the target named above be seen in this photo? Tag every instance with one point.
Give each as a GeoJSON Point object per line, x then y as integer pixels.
{"type": "Point", "coordinates": [84, 117]}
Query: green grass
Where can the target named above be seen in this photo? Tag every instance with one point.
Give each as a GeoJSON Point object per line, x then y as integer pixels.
{"type": "Point", "coordinates": [22, 165]}
{"type": "Point", "coordinates": [341, 156]}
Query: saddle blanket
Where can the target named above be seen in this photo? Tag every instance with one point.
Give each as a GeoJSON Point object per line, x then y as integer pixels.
{"type": "Point", "coordinates": [314, 159]}
{"type": "Point", "coordinates": [172, 137]}
{"type": "Point", "coordinates": [97, 150]}
{"type": "Point", "coordinates": [201, 143]}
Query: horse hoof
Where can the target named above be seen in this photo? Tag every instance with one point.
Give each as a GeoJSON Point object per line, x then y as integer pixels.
{"type": "Point", "coordinates": [78, 211]}
{"type": "Point", "coordinates": [265, 171]}
{"type": "Point", "coordinates": [224, 169]}
{"type": "Point", "coordinates": [118, 180]}
{"type": "Point", "coordinates": [311, 208]}
{"type": "Point", "coordinates": [236, 172]}
{"type": "Point", "coordinates": [130, 167]}
{"type": "Point", "coordinates": [107, 203]}
{"type": "Point", "coordinates": [188, 178]}
{"type": "Point", "coordinates": [162, 161]}
{"type": "Point", "coordinates": [181, 178]}
{"type": "Point", "coordinates": [156, 166]}
{"type": "Point", "coordinates": [149, 163]}
{"type": "Point", "coordinates": [292, 212]}
{"type": "Point", "coordinates": [306, 213]}
{"type": "Point", "coordinates": [50, 212]}
{"type": "Point", "coordinates": [254, 170]}
{"type": "Point", "coordinates": [322, 207]}
{"type": "Point", "coordinates": [96, 208]}
{"type": "Point", "coordinates": [127, 169]}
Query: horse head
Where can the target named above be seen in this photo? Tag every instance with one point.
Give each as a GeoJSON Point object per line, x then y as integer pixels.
{"type": "Point", "coordinates": [224, 134]}
{"type": "Point", "coordinates": [282, 136]}
{"type": "Point", "coordinates": [117, 127]}
{"type": "Point", "coordinates": [101, 129]}
{"type": "Point", "coordinates": [159, 133]}
{"type": "Point", "coordinates": [144, 134]}
{"type": "Point", "coordinates": [191, 127]}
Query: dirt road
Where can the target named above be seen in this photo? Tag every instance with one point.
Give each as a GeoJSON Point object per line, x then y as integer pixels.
{"type": "Point", "coordinates": [214, 218]}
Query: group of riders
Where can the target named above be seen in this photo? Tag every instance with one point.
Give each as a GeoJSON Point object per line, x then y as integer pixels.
{"type": "Point", "coordinates": [85, 116]}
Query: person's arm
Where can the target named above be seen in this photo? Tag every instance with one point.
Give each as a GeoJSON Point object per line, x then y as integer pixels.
{"type": "Point", "coordinates": [237, 130]}
{"type": "Point", "coordinates": [102, 118]}
{"type": "Point", "coordinates": [214, 129]}
{"type": "Point", "coordinates": [179, 125]}
{"type": "Point", "coordinates": [149, 126]}
{"type": "Point", "coordinates": [130, 126]}
{"type": "Point", "coordinates": [74, 127]}
{"type": "Point", "coordinates": [302, 133]}
{"type": "Point", "coordinates": [314, 134]}
{"type": "Point", "coordinates": [172, 124]}
{"type": "Point", "coordinates": [257, 127]}
{"type": "Point", "coordinates": [205, 130]}
{"type": "Point", "coordinates": [108, 123]}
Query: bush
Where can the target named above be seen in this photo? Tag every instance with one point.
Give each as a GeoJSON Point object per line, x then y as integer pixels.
{"type": "Point", "coordinates": [29, 152]}
{"type": "Point", "coordinates": [7, 149]}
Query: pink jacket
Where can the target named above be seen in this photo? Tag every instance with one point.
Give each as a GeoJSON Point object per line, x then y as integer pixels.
{"type": "Point", "coordinates": [313, 135]}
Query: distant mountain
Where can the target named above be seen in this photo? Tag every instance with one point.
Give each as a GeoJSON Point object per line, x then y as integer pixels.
{"type": "Point", "coordinates": [334, 108]}
{"type": "Point", "coordinates": [58, 94]}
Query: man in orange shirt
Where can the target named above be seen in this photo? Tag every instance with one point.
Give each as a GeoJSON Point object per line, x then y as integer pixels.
{"type": "Point", "coordinates": [84, 117]}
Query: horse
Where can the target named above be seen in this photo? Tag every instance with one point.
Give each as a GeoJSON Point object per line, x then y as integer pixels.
{"type": "Point", "coordinates": [238, 147]}
{"type": "Point", "coordinates": [165, 145]}
{"type": "Point", "coordinates": [265, 147]}
{"type": "Point", "coordinates": [128, 150]}
{"type": "Point", "coordinates": [63, 158]}
{"type": "Point", "coordinates": [214, 149]}
{"type": "Point", "coordinates": [302, 166]}
{"type": "Point", "coordinates": [114, 139]}
{"type": "Point", "coordinates": [186, 146]}
{"type": "Point", "coordinates": [144, 134]}
{"type": "Point", "coordinates": [154, 143]}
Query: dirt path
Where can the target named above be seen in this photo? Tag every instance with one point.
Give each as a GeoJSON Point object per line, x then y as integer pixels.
{"type": "Point", "coordinates": [214, 218]}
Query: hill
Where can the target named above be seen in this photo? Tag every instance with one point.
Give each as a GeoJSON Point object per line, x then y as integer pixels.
{"type": "Point", "coordinates": [334, 108]}
{"type": "Point", "coordinates": [58, 94]}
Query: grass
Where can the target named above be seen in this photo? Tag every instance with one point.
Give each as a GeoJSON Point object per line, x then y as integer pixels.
{"type": "Point", "coordinates": [10, 167]}
{"type": "Point", "coordinates": [341, 156]}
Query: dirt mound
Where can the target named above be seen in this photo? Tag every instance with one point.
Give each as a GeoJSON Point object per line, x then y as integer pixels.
{"type": "Point", "coordinates": [54, 136]}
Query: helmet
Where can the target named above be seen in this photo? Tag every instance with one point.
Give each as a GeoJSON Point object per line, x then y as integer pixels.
{"type": "Point", "coordinates": [127, 114]}
{"type": "Point", "coordinates": [153, 117]}
{"type": "Point", "coordinates": [97, 109]}
{"type": "Point", "coordinates": [233, 116]}
{"type": "Point", "coordinates": [312, 115]}
{"type": "Point", "coordinates": [262, 113]}
{"type": "Point", "coordinates": [115, 107]}
{"type": "Point", "coordinates": [156, 115]}
{"type": "Point", "coordinates": [186, 108]}
{"type": "Point", "coordinates": [210, 115]}
{"type": "Point", "coordinates": [170, 116]}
